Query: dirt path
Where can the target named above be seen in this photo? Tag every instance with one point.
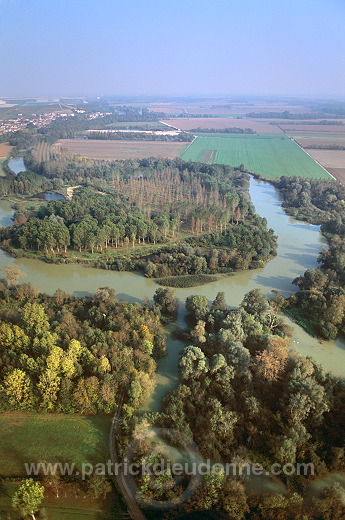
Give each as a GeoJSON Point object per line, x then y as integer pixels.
{"type": "Point", "coordinates": [70, 191]}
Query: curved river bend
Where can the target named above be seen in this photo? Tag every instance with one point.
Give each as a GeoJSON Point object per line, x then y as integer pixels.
{"type": "Point", "coordinates": [298, 247]}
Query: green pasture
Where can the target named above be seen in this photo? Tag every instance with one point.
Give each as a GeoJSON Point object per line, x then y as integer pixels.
{"type": "Point", "coordinates": [270, 157]}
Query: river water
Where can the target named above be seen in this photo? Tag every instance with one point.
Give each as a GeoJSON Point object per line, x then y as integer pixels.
{"type": "Point", "coordinates": [298, 247]}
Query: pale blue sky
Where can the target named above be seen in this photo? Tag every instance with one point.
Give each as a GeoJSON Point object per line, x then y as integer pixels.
{"type": "Point", "coordinates": [172, 47]}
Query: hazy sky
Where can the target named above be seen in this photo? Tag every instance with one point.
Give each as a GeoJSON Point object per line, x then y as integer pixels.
{"type": "Point", "coordinates": [172, 47]}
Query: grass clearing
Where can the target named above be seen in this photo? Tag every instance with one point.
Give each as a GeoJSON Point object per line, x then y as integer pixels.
{"type": "Point", "coordinates": [270, 157]}
{"type": "Point", "coordinates": [42, 437]}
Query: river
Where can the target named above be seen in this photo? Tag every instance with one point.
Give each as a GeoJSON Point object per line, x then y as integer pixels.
{"type": "Point", "coordinates": [298, 247]}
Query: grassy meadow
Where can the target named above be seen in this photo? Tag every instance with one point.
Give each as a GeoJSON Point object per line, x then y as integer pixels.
{"type": "Point", "coordinates": [42, 437]}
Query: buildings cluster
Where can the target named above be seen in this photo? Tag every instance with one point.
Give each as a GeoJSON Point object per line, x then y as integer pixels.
{"type": "Point", "coordinates": [38, 120]}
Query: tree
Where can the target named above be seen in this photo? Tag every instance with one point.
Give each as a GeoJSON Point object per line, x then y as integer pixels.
{"type": "Point", "coordinates": [18, 389]}
{"type": "Point", "coordinates": [270, 363]}
{"type": "Point", "coordinates": [193, 364]}
{"type": "Point", "coordinates": [197, 306]}
{"type": "Point", "coordinates": [12, 274]}
{"type": "Point", "coordinates": [234, 499]}
{"type": "Point", "coordinates": [35, 319]}
{"type": "Point", "coordinates": [28, 497]}
{"type": "Point", "coordinates": [255, 303]}
{"type": "Point", "coordinates": [219, 303]}
{"type": "Point", "coordinates": [166, 301]}
{"type": "Point", "coordinates": [98, 485]}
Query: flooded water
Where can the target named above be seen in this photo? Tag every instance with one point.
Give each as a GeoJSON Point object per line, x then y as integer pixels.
{"type": "Point", "coordinates": [298, 247]}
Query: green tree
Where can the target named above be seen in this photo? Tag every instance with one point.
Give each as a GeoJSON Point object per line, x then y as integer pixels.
{"type": "Point", "coordinates": [28, 497]}
{"type": "Point", "coordinates": [18, 389]}
{"type": "Point", "coordinates": [98, 485]}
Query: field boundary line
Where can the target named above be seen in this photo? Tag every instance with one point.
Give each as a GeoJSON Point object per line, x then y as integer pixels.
{"type": "Point", "coordinates": [190, 144]}
{"type": "Point", "coordinates": [171, 126]}
{"type": "Point", "coordinates": [317, 162]}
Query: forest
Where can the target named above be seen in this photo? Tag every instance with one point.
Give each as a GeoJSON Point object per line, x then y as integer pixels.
{"type": "Point", "coordinates": [243, 396]}
{"type": "Point", "coordinates": [228, 130]}
{"type": "Point", "coordinates": [141, 136]}
{"type": "Point", "coordinates": [76, 355]}
{"type": "Point", "coordinates": [199, 215]}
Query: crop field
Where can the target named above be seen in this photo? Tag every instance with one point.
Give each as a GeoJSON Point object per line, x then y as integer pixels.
{"type": "Point", "coordinates": [270, 157]}
{"type": "Point", "coordinates": [119, 150]}
{"type": "Point", "coordinates": [329, 158]}
{"type": "Point", "coordinates": [138, 124]}
{"type": "Point", "coordinates": [318, 130]}
{"type": "Point", "coordinates": [223, 122]}
{"type": "Point", "coordinates": [338, 173]}
{"type": "Point", "coordinates": [320, 142]}
{"type": "Point", "coordinates": [33, 437]}
{"type": "Point", "coordinates": [217, 107]}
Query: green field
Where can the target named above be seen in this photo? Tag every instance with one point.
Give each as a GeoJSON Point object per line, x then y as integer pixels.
{"type": "Point", "coordinates": [270, 157]}
{"type": "Point", "coordinates": [42, 437]}
{"type": "Point", "coordinates": [33, 437]}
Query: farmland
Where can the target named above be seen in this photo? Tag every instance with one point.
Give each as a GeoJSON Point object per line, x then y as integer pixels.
{"type": "Point", "coordinates": [119, 150]}
{"type": "Point", "coordinates": [270, 157]}
{"type": "Point", "coordinates": [145, 125]}
{"type": "Point", "coordinates": [220, 107]}
{"type": "Point", "coordinates": [322, 135]}
{"type": "Point", "coordinates": [223, 122]}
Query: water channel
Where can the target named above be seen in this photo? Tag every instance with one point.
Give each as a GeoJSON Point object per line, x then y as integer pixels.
{"type": "Point", "coordinates": [298, 247]}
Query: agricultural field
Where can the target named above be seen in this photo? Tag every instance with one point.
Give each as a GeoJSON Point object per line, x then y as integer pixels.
{"type": "Point", "coordinates": [31, 437]}
{"type": "Point", "coordinates": [219, 123]}
{"type": "Point", "coordinates": [307, 142]}
{"type": "Point", "coordinates": [118, 150]}
{"type": "Point", "coordinates": [147, 125]}
{"type": "Point", "coordinates": [270, 157]}
{"type": "Point", "coordinates": [322, 135]}
{"type": "Point", "coordinates": [5, 149]}
{"type": "Point", "coordinates": [314, 130]}
{"type": "Point", "coordinates": [332, 160]}
{"type": "Point", "coordinates": [223, 107]}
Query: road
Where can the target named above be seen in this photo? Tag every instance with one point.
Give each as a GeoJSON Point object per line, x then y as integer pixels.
{"type": "Point", "coordinates": [133, 509]}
